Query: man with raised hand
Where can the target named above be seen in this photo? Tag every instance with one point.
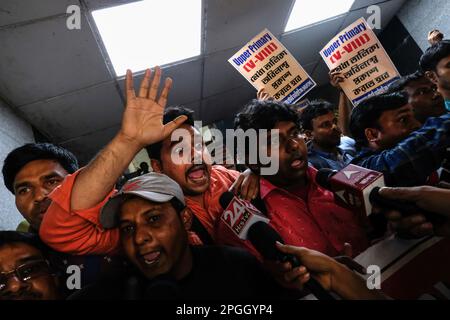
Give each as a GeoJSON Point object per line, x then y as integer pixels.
{"type": "Point", "coordinates": [72, 224]}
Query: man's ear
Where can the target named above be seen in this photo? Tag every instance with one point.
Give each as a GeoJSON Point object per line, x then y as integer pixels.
{"type": "Point", "coordinates": [431, 75]}
{"type": "Point", "coordinates": [372, 135]}
{"type": "Point", "coordinates": [156, 165]}
{"type": "Point", "coordinates": [186, 218]}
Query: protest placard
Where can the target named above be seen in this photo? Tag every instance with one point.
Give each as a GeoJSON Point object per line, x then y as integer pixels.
{"type": "Point", "coordinates": [267, 64]}
{"type": "Point", "coordinates": [359, 56]}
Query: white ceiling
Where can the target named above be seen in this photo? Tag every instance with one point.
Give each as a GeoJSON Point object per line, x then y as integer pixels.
{"type": "Point", "coordinates": [61, 81]}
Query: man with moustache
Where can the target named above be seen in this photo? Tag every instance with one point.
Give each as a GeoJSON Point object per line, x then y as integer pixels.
{"type": "Point", "coordinates": [302, 212]}
{"type": "Point", "coordinates": [25, 269]}
{"type": "Point", "coordinates": [71, 224]}
{"type": "Point", "coordinates": [151, 214]}
{"type": "Point", "coordinates": [320, 125]}
{"type": "Point", "coordinates": [32, 172]}
{"type": "Point", "coordinates": [435, 62]}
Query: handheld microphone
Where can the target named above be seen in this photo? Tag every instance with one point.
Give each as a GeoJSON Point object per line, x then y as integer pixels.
{"type": "Point", "coordinates": [239, 215]}
{"type": "Point", "coordinates": [248, 223]}
{"type": "Point", "coordinates": [351, 186]}
{"type": "Point", "coordinates": [357, 188]}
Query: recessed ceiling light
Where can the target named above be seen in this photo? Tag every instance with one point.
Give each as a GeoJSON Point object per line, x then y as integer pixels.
{"type": "Point", "coordinates": [143, 34]}
{"type": "Point", "coordinates": [306, 12]}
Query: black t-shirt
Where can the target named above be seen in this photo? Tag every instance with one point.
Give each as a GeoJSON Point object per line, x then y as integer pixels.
{"type": "Point", "coordinates": [218, 273]}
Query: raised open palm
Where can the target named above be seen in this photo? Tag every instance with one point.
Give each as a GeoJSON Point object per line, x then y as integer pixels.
{"type": "Point", "coordinates": [142, 120]}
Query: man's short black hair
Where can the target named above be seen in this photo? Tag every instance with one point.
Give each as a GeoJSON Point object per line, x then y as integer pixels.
{"type": "Point", "coordinates": [31, 239]}
{"type": "Point", "coordinates": [21, 156]}
{"type": "Point", "coordinates": [367, 114]}
{"type": "Point", "coordinates": [170, 114]}
{"type": "Point", "coordinates": [259, 114]}
{"type": "Point", "coordinates": [403, 82]}
{"type": "Point", "coordinates": [434, 54]}
{"type": "Point", "coordinates": [313, 110]}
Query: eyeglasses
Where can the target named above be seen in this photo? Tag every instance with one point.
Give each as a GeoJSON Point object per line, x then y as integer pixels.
{"type": "Point", "coordinates": [25, 272]}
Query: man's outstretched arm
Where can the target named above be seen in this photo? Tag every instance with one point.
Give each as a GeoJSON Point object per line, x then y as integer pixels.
{"type": "Point", "coordinates": [141, 126]}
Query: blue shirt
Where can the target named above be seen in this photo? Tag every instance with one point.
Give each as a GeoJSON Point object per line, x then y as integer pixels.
{"type": "Point", "coordinates": [411, 162]}
{"type": "Point", "coordinates": [320, 159]}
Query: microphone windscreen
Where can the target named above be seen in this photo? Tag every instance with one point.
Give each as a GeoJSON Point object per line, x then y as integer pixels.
{"type": "Point", "coordinates": [263, 238]}
{"type": "Point", "coordinates": [323, 177]}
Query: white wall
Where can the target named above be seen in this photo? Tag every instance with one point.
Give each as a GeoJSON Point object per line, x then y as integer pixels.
{"type": "Point", "coordinates": [14, 132]}
{"type": "Point", "coordinates": [422, 16]}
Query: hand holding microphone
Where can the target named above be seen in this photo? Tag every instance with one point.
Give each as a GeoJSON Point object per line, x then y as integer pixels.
{"type": "Point", "coordinates": [432, 199]}
{"type": "Point", "coordinates": [248, 223]}
{"type": "Point", "coordinates": [358, 189]}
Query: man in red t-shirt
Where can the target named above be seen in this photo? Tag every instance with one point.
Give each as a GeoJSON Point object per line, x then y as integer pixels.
{"type": "Point", "coordinates": [302, 212]}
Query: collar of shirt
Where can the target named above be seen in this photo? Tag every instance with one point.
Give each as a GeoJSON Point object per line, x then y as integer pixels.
{"type": "Point", "coordinates": [327, 155]}
{"type": "Point", "coordinates": [265, 187]}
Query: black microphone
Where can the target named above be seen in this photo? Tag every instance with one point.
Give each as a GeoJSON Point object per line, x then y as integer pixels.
{"type": "Point", "coordinates": [360, 184]}
{"type": "Point", "coordinates": [263, 237]}
{"type": "Point", "coordinates": [248, 223]}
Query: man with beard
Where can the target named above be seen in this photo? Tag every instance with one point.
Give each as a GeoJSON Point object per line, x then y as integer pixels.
{"type": "Point", "coordinates": [320, 124]}
{"type": "Point", "coordinates": [32, 172]}
{"type": "Point", "coordinates": [25, 270]}
{"type": "Point", "coordinates": [152, 217]}
{"type": "Point", "coordinates": [71, 224]}
{"type": "Point", "coordinates": [302, 212]}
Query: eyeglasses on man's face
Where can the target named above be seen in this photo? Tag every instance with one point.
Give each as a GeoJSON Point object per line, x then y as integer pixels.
{"type": "Point", "coordinates": [25, 272]}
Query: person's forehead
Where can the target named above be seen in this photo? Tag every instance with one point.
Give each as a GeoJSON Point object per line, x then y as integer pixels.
{"type": "Point", "coordinates": [325, 117]}
{"type": "Point", "coordinates": [284, 125]}
{"type": "Point", "coordinates": [12, 254]}
{"type": "Point", "coordinates": [184, 131]}
{"type": "Point", "coordinates": [419, 83]}
{"type": "Point", "coordinates": [394, 112]}
{"type": "Point", "coordinates": [39, 168]}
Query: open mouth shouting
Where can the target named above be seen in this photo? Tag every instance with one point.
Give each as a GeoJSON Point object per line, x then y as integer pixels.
{"type": "Point", "coordinates": [150, 258]}
{"type": "Point", "coordinates": [197, 174]}
{"type": "Point", "coordinates": [298, 163]}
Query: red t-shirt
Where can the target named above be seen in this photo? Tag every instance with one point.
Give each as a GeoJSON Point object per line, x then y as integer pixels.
{"type": "Point", "coordinates": [309, 217]}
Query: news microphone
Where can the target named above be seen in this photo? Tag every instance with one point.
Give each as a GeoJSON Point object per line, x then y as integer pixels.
{"type": "Point", "coordinates": [357, 188]}
{"type": "Point", "coordinates": [239, 215]}
{"type": "Point", "coordinates": [248, 223]}
{"type": "Point", "coordinates": [351, 186]}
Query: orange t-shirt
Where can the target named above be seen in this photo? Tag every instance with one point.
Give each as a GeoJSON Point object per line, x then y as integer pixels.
{"type": "Point", "coordinates": [76, 232]}
{"type": "Point", "coordinates": [80, 232]}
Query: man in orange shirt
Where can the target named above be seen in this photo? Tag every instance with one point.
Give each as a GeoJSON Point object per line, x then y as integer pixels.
{"type": "Point", "coordinates": [72, 221]}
